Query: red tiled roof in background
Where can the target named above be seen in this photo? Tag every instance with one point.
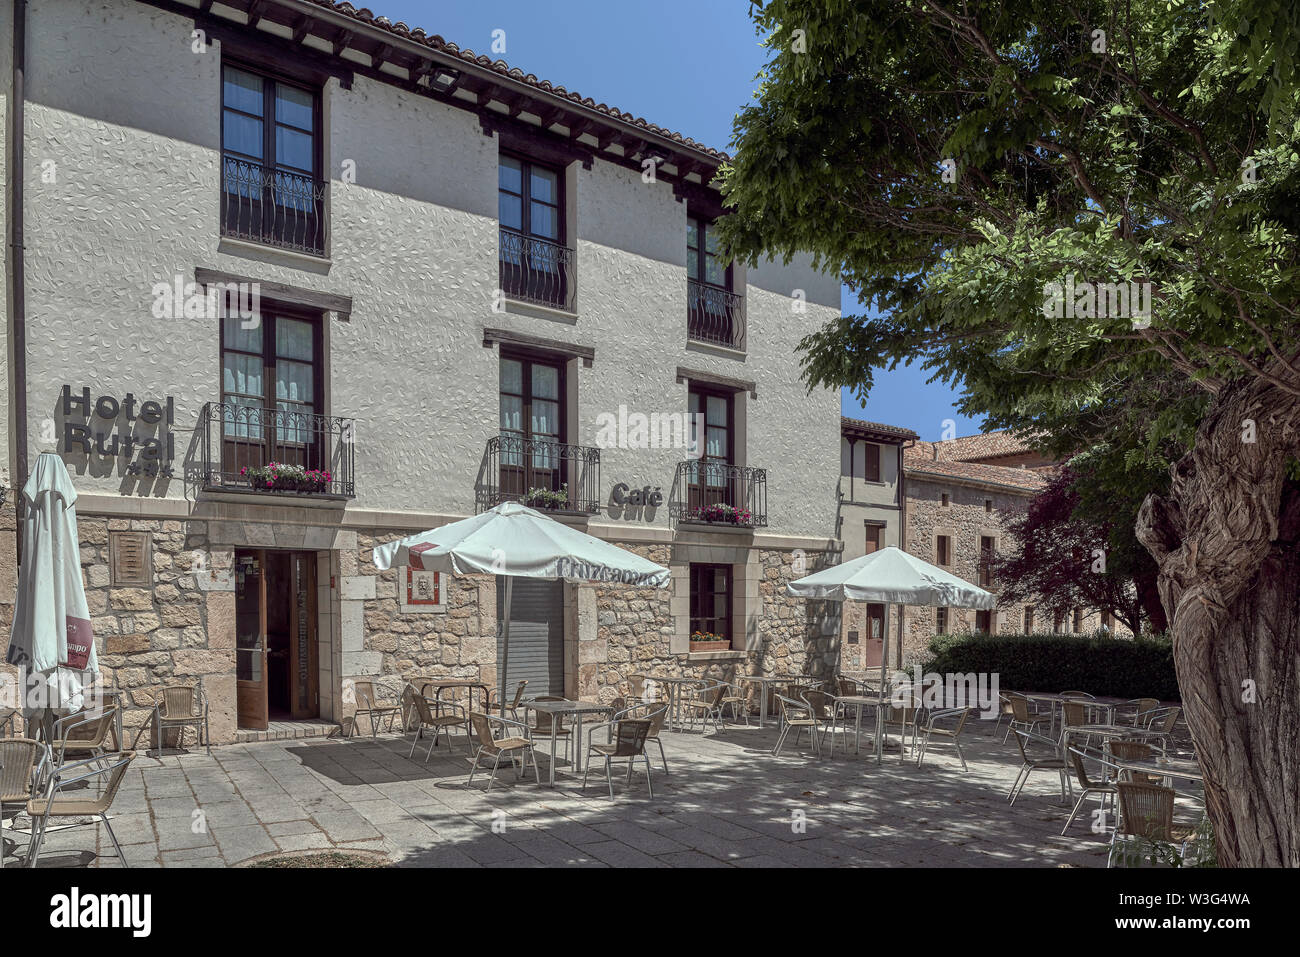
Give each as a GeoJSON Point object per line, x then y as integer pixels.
{"type": "Point", "coordinates": [1027, 480]}
{"type": "Point", "coordinates": [977, 448]}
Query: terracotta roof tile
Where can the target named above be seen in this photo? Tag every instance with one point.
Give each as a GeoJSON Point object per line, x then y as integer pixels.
{"type": "Point", "coordinates": [894, 430]}
{"type": "Point", "coordinates": [985, 445]}
{"type": "Point", "coordinates": [918, 462]}
{"type": "Point", "coordinates": [435, 42]}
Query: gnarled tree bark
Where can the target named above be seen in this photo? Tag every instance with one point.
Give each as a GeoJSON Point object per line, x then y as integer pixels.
{"type": "Point", "coordinates": [1227, 540]}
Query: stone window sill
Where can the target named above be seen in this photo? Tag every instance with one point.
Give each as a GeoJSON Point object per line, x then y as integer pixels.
{"type": "Point", "coordinates": [715, 656]}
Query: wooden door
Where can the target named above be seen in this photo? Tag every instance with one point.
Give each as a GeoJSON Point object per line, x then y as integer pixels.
{"type": "Point", "coordinates": [250, 639]}
{"type": "Point", "coordinates": [304, 676]}
{"type": "Point", "coordinates": [874, 645]}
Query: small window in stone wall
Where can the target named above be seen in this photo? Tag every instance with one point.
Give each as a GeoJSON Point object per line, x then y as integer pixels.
{"type": "Point", "coordinates": [941, 621]}
{"type": "Point", "coordinates": [943, 549]}
{"type": "Point", "coordinates": [130, 559]}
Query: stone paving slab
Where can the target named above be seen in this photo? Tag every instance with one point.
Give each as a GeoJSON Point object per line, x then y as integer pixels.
{"type": "Point", "coordinates": [727, 802]}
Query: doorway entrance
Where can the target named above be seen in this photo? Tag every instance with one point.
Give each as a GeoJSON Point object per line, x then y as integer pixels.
{"type": "Point", "coordinates": [276, 667]}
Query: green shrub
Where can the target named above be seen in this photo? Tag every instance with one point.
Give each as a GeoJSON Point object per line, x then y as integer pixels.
{"type": "Point", "coordinates": [1122, 668]}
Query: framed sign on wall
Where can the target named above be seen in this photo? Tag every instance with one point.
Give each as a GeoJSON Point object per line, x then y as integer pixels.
{"type": "Point", "coordinates": [421, 591]}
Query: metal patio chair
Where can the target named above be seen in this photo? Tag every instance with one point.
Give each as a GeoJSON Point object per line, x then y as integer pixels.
{"type": "Point", "coordinates": [19, 759]}
{"type": "Point", "coordinates": [84, 732]}
{"type": "Point", "coordinates": [1143, 708]}
{"type": "Point", "coordinates": [628, 738]}
{"type": "Point", "coordinates": [1087, 786]}
{"type": "Point", "coordinates": [517, 745]}
{"type": "Point", "coordinates": [1032, 764]}
{"type": "Point", "coordinates": [1122, 750]}
{"type": "Point", "coordinates": [797, 715]}
{"type": "Point", "coordinates": [370, 703]}
{"type": "Point", "coordinates": [1022, 716]}
{"type": "Point", "coordinates": [706, 705]}
{"type": "Point", "coordinates": [902, 718]}
{"type": "Point", "coordinates": [932, 730]}
{"type": "Point", "coordinates": [63, 800]}
{"type": "Point", "coordinates": [822, 707]}
{"type": "Point", "coordinates": [427, 717]}
{"type": "Point", "coordinates": [513, 707]}
{"type": "Point", "coordinates": [1146, 812]}
{"type": "Point", "coordinates": [1162, 721]}
{"type": "Point", "coordinates": [736, 698]}
{"type": "Point", "coordinates": [181, 706]}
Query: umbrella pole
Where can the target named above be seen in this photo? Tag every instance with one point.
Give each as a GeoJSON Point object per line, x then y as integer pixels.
{"type": "Point", "coordinates": [884, 670]}
{"type": "Point", "coordinates": [505, 645]}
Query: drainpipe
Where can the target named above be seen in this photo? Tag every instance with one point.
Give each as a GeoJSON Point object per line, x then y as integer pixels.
{"type": "Point", "coordinates": [16, 275]}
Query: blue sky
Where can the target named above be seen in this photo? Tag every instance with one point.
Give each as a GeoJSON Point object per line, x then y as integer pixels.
{"type": "Point", "coordinates": [688, 65]}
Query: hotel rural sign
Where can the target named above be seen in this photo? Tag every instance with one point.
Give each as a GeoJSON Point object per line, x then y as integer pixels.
{"type": "Point", "coordinates": [106, 426]}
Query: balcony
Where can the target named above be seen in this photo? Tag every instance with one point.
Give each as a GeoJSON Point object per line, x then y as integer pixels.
{"type": "Point", "coordinates": [549, 476]}
{"type": "Point", "coordinates": [536, 270]}
{"type": "Point", "coordinates": [714, 493]}
{"type": "Point", "coordinates": [271, 206]}
{"type": "Point", "coordinates": [276, 452]}
{"type": "Point", "coordinates": [715, 315]}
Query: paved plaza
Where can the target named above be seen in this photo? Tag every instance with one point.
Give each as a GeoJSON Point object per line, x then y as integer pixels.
{"type": "Point", "coordinates": [727, 801]}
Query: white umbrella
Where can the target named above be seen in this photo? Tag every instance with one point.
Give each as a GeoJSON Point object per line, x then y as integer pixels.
{"type": "Point", "coordinates": [892, 576]}
{"type": "Point", "coordinates": [52, 637]}
{"type": "Point", "coordinates": [514, 540]}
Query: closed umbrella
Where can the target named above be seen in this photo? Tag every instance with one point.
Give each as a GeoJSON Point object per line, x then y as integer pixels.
{"type": "Point", "coordinates": [52, 639]}
{"type": "Point", "coordinates": [891, 576]}
{"type": "Point", "coordinates": [513, 540]}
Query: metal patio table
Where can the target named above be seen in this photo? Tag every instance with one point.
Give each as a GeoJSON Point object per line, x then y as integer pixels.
{"type": "Point", "coordinates": [454, 684]}
{"type": "Point", "coordinates": [858, 702]}
{"type": "Point", "coordinates": [576, 709]}
{"type": "Point", "coordinates": [674, 683]}
{"type": "Point", "coordinates": [763, 681]}
{"type": "Point", "coordinates": [1057, 703]}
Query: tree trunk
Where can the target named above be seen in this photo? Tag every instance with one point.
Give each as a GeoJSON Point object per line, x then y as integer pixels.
{"type": "Point", "coordinates": [1148, 592]}
{"type": "Point", "coordinates": [1227, 541]}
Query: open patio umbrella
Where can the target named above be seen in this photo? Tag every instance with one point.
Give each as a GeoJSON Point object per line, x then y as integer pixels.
{"type": "Point", "coordinates": [513, 540]}
{"type": "Point", "coordinates": [52, 637]}
{"type": "Point", "coordinates": [893, 577]}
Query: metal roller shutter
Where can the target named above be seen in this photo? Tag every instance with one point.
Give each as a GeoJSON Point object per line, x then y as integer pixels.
{"type": "Point", "coordinates": [536, 635]}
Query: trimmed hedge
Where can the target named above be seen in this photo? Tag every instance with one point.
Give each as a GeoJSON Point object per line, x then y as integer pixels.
{"type": "Point", "coordinates": [1119, 667]}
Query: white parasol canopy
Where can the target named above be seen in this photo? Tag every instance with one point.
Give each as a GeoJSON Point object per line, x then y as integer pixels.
{"type": "Point", "coordinates": [52, 637]}
{"type": "Point", "coordinates": [893, 577]}
{"type": "Point", "coordinates": [515, 541]}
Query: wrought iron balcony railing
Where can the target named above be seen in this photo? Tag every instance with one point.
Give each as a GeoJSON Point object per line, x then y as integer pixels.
{"type": "Point", "coordinates": [543, 475]}
{"type": "Point", "coordinates": [272, 206]}
{"type": "Point", "coordinates": [276, 451]}
{"type": "Point", "coordinates": [536, 270]}
{"type": "Point", "coordinates": [719, 494]}
{"type": "Point", "coordinates": [715, 315]}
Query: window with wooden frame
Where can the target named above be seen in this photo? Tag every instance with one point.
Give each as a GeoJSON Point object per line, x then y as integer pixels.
{"type": "Point", "coordinates": [1078, 620]}
{"type": "Point", "coordinates": [943, 549]}
{"type": "Point", "coordinates": [985, 576]}
{"type": "Point", "coordinates": [871, 462]}
{"type": "Point", "coordinates": [271, 156]}
{"type": "Point", "coordinates": [943, 500]}
{"type": "Point", "coordinates": [1029, 619]}
{"type": "Point", "coordinates": [874, 536]}
{"type": "Point", "coordinates": [271, 392]}
{"type": "Point", "coordinates": [713, 307]}
{"type": "Point", "coordinates": [532, 417]}
{"type": "Point", "coordinates": [710, 601]}
{"type": "Point", "coordinates": [984, 622]}
{"type": "Point", "coordinates": [711, 478]}
{"type": "Point", "coordinates": [536, 263]}
{"type": "Point", "coordinates": [941, 621]}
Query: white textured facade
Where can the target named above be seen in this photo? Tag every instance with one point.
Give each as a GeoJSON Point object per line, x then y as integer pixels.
{"type": "Point", "coordinates": [123, 186]}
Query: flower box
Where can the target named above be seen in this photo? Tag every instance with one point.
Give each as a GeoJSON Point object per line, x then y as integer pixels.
{"type": "Point", "coordinates": [707, 641]}
{"type": "Point", "coordinates": [283, 477]}
{"type": "Point", "coordinates": [544, 498]}
{"type": "Point", "coordinates": [721, 514]}
{"type": "Point", "coordinates": [710, 646]}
